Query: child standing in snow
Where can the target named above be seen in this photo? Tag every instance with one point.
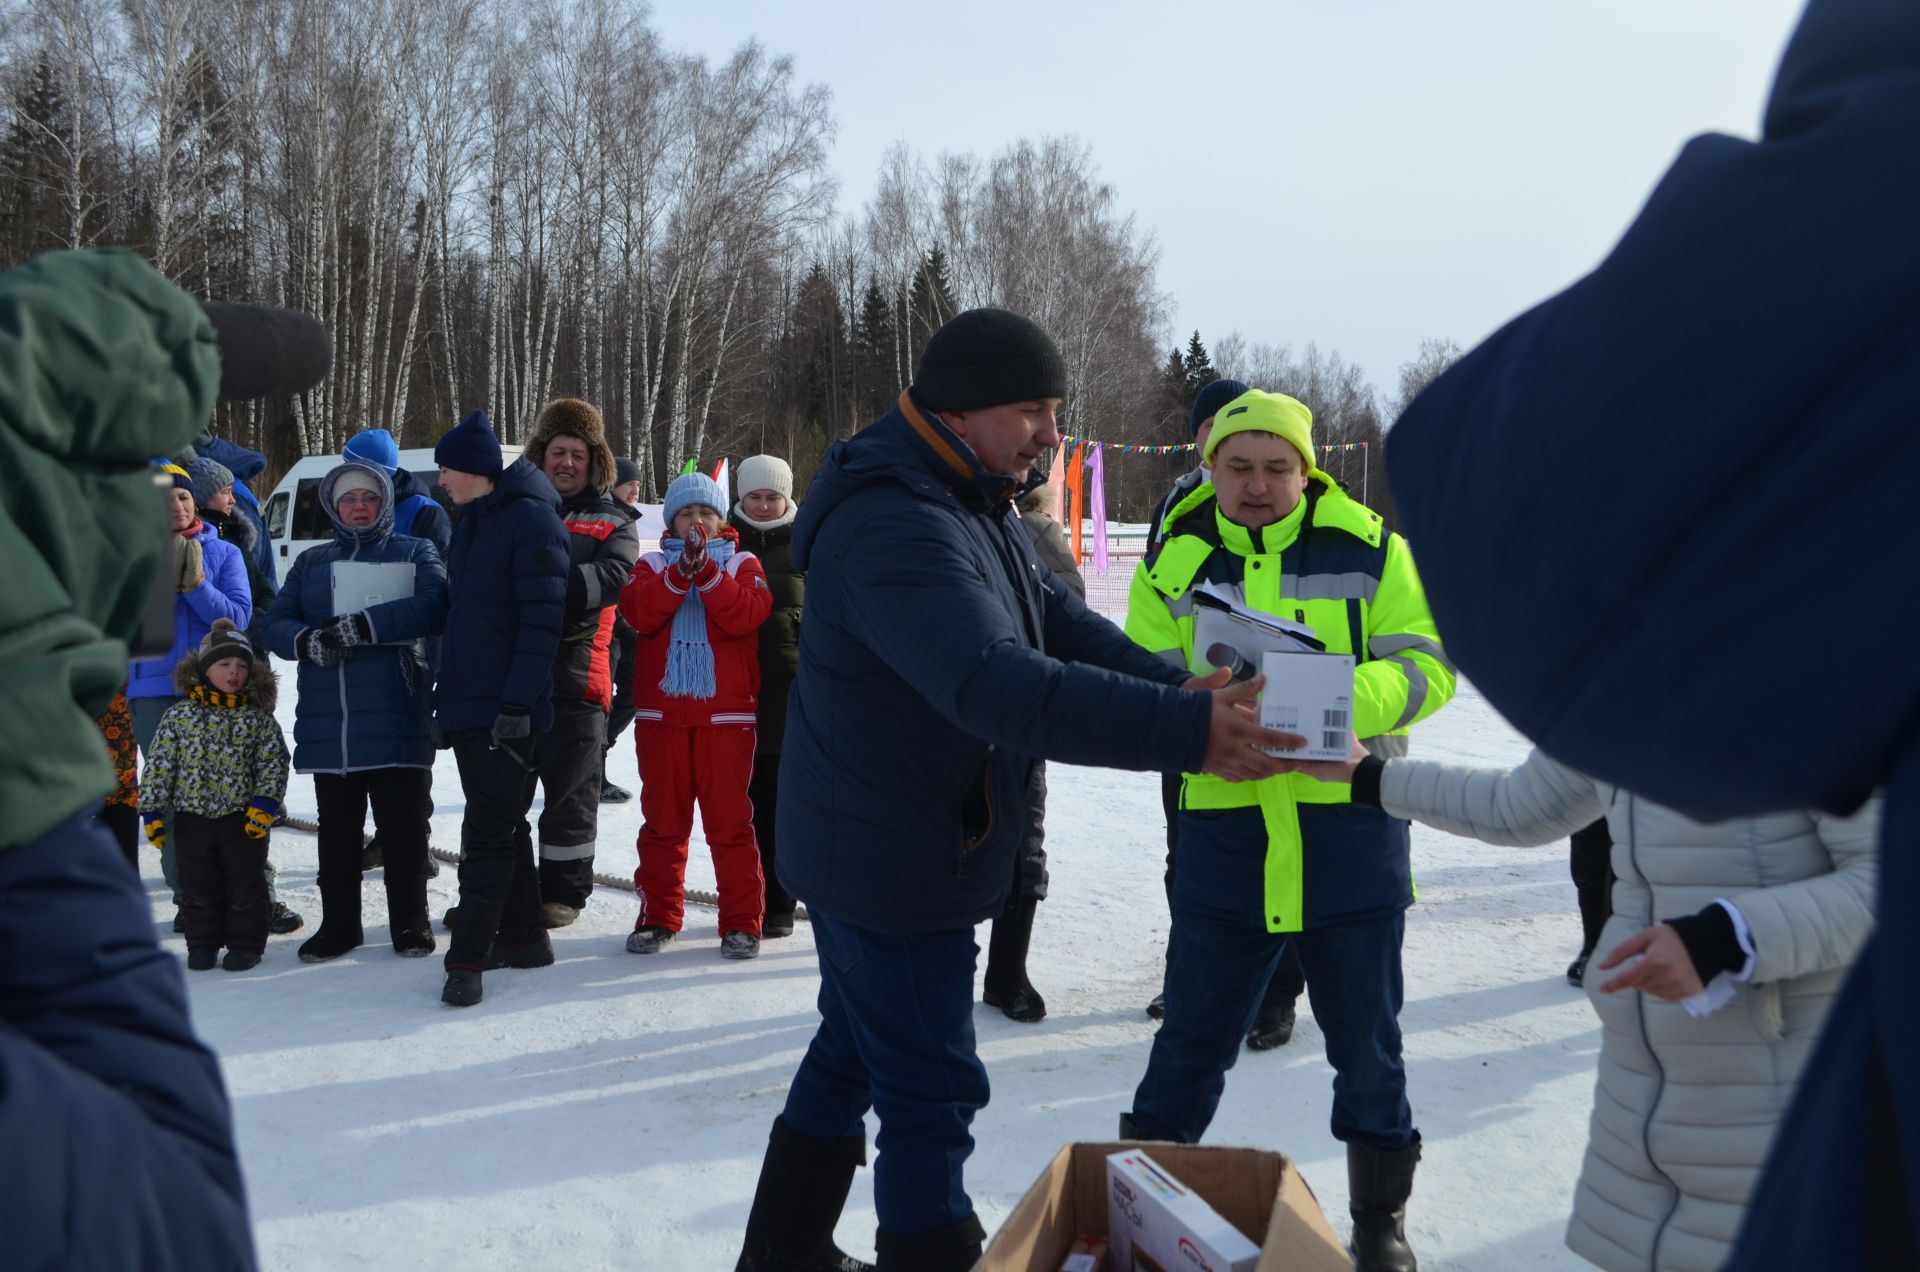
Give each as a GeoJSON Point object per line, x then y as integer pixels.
{"type": "Point", "coordinates": [697, 605]}
{"type": "Point", "coordinates": [218, 765]}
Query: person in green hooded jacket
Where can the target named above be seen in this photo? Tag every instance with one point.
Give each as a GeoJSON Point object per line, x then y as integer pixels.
{"type": "Point", "coordinates": [118, 1132]}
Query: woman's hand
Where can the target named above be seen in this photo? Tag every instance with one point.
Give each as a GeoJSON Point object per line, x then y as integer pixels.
{"type": "Point", "coordinates": [1662, 967]}
{"type": "Point", "coordinates": [1341, 771]}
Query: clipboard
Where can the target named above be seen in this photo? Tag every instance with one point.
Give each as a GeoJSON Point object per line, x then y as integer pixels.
{"type": "Point", "coordinates": [361, 585]}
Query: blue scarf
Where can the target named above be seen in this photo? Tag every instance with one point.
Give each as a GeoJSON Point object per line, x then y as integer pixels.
{"type": "Point", "coordinates": [689, 653]}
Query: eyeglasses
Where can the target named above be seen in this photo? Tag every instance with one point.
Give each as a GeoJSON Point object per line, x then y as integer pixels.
{"type": "Point", "coordinates": [358, 497]}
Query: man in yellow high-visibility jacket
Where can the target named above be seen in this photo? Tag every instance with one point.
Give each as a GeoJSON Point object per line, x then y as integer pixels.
{"type": "Point", "coordinates": [1289, 859]}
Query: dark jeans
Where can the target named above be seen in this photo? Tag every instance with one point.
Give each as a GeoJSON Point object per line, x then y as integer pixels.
{"type": "Point", "coordinates": [499, 883]}
{"type": "Point", "coordinates": [223, 882]}
{"type": "Point", "coordinates": [1288, 980]}
{"type": "Point", "coordinates": [399, 798]}
{"type": "Point", "coordinates": [1215, 973]}
{"type": "Point", "coordinates": [146, 722]}
{"type": "Point", "coordinates": [570, 757]}
{"type": "Point", "coordinates": [896, 1035]}
{"type": "Point", "coordinates": [764, 791]}
{"type": "Point", "coordinates": [1590, 862]}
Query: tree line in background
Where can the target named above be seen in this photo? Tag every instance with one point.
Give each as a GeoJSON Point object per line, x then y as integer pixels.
{"type": "Point", "coordinates": [493, 202]}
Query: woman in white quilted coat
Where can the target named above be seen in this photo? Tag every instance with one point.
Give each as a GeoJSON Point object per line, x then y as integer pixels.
{"type": "Point", "coordinates": [1726, 945]}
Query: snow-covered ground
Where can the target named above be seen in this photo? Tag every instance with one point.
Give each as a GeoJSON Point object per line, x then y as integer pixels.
{"type": "Point", "coordinates": [610, 1111]}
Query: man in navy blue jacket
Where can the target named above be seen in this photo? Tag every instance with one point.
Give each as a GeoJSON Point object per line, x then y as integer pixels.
{"type": "Point", "coordinates": [507, 577]}
{"type": "Point", "coordinates": [939, 661]}
{"type": "Point", "coordinates": [1692, 603]}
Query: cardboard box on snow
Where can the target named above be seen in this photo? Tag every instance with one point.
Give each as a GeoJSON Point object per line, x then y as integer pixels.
{"type": "Point", "coordinates": [1258, 1192]}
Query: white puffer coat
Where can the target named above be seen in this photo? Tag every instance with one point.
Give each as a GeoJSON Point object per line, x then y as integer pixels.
{"type": "Point", "coordinates": [1684, 1109]}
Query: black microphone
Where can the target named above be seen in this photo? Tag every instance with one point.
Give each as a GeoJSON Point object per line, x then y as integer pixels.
{"type": "Point", "coordinates": [267, 352]}
{"type": "Point", "coordinates": [1221, 654]}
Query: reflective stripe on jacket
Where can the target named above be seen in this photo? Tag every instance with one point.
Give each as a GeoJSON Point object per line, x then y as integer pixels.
{"type": "Point", "coordinates": [1355, 585]}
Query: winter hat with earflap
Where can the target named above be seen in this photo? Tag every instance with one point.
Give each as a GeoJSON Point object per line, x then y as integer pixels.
{"type": "Point", "coordinates": [989, 357]}
{"type": "Point", "coordinates": [374, 446]}
{"type": "Point", "coordinates": [689, 489]}
{"type": "Point", "coordinates": [766, 472]}
{"type": "Point", "coordinates": [576, 418]}
{"type": "Point", "coordinates": [1259, 412]}
{"type": "Point", "coordinates": [205, 479]}
{"type": "Point", "coordinates": [224, 640]}
{"type": "Point", "coordinates": [470, 447]}
{"type": "Point", "coordinates": [1207, 403]}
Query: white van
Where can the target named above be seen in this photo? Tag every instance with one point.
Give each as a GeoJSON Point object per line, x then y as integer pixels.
{"type": "Point", "coordinates": [295, 520]}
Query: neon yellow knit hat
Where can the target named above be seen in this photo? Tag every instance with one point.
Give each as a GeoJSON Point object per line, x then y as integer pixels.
{"type": "Point", "coordinates": [1259, 412]}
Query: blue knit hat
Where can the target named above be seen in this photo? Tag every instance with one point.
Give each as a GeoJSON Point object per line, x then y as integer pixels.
{"type": "Point", "coordinates": [690, 489]}
{"type": "Point", "coordinates": [470, 447]}
{"type": "Point", "coordinates": [205, 479]}
{"type": "Point", "coordinates": [375, 446]}
{"type": "Point", "coordinates": [1211, 399]}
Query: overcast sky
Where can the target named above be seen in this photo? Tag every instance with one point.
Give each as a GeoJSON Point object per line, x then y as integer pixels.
{"type": "Point", "coordinates": [1359, 173]}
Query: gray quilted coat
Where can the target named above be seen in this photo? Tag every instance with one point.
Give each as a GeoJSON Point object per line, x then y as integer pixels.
{"type": "Point", "coordinates": [1684, 1109]}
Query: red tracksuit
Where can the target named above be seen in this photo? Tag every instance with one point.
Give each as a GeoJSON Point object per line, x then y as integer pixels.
{"type": "Point", "coordinates": [698, 749]}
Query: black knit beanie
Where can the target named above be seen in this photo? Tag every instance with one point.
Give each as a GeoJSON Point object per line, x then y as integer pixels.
{"type": "Point", "coordinates": [988, 357]}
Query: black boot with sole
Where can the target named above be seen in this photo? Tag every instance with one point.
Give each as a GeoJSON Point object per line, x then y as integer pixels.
{"type": "Point", "coordinates": [803, 1187]}
{"type": "Point", "coordinates": [951, 1249]}
{"type": "Point", "coordinates": [1007, 986]}
{"type": "Point", "coordinates": [1378, 1186]}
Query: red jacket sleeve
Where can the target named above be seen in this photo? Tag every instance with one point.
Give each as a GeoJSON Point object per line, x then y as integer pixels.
{"type": "Point", "coordinates": [739, 602]}
{"type": "Point", "coordinates": [650, 598]}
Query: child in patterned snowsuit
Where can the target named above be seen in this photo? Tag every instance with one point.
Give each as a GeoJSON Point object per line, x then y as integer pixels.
{"type": "Point", "coordinates": [219, 765]}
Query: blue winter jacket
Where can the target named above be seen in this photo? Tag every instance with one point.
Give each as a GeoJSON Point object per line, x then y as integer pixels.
{"type": "Point", "coordinates": [223, 593]}
{"type": "Point", "coordinates": [1636, 543]}
{"type": "Point", "coordinates": [118, 1136]}
{"type": "Point", "coordinates": [245, 465]}
{"type": "Point", "coordinates": [938, 660]}
{"type": "Point", "coordinates": [507, 571]}
{"type": "Point", "coordinates": [375, 710]}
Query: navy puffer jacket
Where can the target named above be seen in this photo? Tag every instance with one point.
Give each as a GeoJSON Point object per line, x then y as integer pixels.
{"type": "Point", "coordinates": [508, 574]}
{"type": "Point", "coordinates": [374, 710]}
{"type": "Point", "coordinates": [938, 661]}
{"type": "Point", "coordinates": [1756, 328]}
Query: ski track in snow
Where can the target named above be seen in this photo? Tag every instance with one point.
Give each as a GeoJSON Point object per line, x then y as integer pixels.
{"type": "Point", "coordinates": [611, 1111]}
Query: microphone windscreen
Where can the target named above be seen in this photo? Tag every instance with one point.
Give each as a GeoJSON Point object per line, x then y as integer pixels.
{"type": "Point", "coordinates": [268, 352]}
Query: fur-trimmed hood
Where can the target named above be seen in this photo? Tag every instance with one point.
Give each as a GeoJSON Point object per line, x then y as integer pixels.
{"type": "Point", "coordinates": [573, 417]}
{"type": "Point", "coordinates": [263, 683]}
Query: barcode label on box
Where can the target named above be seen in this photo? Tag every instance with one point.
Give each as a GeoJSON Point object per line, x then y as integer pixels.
{"type": "Point", "coordinates": [1334, 719]}
{"type": "Point", "coordinates": [1336, 740]}
{"type": "Point", "coordinates": [1287, 718]}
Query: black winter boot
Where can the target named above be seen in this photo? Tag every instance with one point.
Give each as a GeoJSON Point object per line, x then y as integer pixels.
{"type": "Point", "coordinates": [340, 929]}
{"type": "Point", "coordinates": [955, 1248]}
{"type": "Point", "coordinates": [1272, 1026]}
{"type": "Point", "coordinates": [802, 1189]}
{"type": "Point", "coordinates": [1378, 1185]}
{"type": "Point", "coordinates": [1007, 985]}
{"type": "Point", "coordinates": [463, 988]}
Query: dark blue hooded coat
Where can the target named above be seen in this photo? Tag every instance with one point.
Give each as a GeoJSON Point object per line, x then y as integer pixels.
{"type": "Point", "coordinates": [938, 660]}
{"type": "Point", "coordinates": [1638, 543]}
{"type": "Point", "coordinates": [507, 570]}
{"type": "Point", "coordinates": [375, 709]}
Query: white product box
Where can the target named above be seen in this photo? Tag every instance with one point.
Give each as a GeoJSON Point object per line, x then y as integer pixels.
{"type": "Point", "coordinates": [1312, 695]}
{"type": "Point", "coordinates": [1157, 1224]}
